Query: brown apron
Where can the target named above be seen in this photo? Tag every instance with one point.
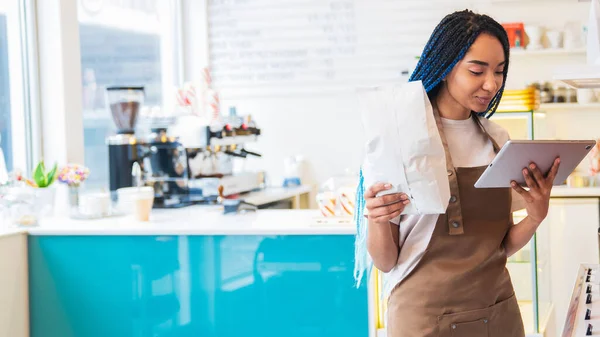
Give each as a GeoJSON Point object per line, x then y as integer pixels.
{"type": "Point", "coordinates": [461, 286]}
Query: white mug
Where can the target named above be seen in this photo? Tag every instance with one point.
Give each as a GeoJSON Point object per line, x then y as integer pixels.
{"type": "Point", "coordinates": [94, 204]}
{"type": "Point", "coordinates": [555, 39]}
{"type": "Point", "coordinates": [535, 34]}
{"type": "Point", "coordinates": [585, 96]}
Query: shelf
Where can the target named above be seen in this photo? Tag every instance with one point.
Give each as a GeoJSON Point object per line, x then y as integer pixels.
{"type": "Point", "coordinates": [569, 106]}
{"type": "Point", "coordinates": [548, 52]}
{"type": "Point", "coordinates": [579, 76]}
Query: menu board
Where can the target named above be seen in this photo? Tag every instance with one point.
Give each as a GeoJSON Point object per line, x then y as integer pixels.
{"type": "Point", "coordinates": [311, 46]}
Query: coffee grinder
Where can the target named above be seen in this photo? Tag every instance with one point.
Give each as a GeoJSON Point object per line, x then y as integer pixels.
{"type": "Point", "coordinates": [124, 104]}
{"type": "Point", "coordinates": [162, 159]}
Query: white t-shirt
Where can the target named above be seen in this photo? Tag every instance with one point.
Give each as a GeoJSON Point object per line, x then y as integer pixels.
{"type": "Point", "coordinates": [469, 147]}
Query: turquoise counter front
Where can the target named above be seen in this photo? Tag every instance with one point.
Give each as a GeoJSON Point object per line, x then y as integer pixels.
{"type": "Point", "coordinates": [194, 286]}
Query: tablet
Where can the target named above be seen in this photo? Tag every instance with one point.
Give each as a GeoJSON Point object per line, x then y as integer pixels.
{"type": "Point", "coordinates": [515, 155]}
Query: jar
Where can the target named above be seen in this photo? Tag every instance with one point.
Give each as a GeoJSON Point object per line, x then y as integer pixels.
{"type": "Point", "coordinates": [547, 93]}
{"type": "Point", "coordinates": [560, 94]}
{"type": "Point", "coordinates": [337, 196]}
{"type": "Point", "coordinates": [20, 206]}
{"type": "Point", "coordinates": [571, 95]}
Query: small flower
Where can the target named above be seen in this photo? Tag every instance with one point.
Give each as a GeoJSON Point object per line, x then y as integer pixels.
{"type": "Point", "coordinates": [73, 174]}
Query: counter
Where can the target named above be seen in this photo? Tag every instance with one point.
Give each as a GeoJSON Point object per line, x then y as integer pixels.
{"type": "Point", "coordinates": [575, 192]}
{"type": "Point", "coordinates": [195, 272]}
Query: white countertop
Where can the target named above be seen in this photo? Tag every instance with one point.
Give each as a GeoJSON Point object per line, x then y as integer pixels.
{"type": "Point", "coordinates": [575, 192]}
{"type": "Point", "coordinates": [202, 220]}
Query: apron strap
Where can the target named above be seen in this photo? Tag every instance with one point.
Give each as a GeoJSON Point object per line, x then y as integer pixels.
{"type": "Point", "coordinates": [454, 213]}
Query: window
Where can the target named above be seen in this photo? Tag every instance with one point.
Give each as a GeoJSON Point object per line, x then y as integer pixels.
{"type": "Point", "coordinates": [123, 43]}
{"type": "Point", "coordinates": [15, 115]}
{"type": "Point", "coordinates": [5, 111]}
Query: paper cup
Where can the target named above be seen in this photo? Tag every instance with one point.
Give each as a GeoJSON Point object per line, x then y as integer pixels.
{"type": "Point", "coordinates": [136, 201]}
{"type": "Point", "coordinates": [143, 207]}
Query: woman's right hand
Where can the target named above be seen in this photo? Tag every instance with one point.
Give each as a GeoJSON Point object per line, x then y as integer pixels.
{"type": "Point", "coordinates": [386, 207]}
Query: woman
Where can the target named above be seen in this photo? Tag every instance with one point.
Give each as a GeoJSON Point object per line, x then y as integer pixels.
{"type": "Point", "coordinates": [446, 275]}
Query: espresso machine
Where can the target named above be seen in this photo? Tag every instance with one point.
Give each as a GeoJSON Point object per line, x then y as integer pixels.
{"type": "Point", "coordinates": [213, 149]}
{"type": "Point", "coordinates": [161, 157]}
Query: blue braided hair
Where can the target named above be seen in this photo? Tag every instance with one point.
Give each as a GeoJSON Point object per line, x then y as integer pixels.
{"type": "Point", "coordinates": [448, 44]}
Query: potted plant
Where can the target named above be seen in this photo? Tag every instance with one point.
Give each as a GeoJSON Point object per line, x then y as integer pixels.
{"type": "Point", "coordinates": [42, 181]}
{"type": "Point", "coordinates": [42, 178]}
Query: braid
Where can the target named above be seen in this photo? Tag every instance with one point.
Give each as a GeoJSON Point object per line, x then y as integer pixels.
{"type": "Point", "coordinates": [448, 44]}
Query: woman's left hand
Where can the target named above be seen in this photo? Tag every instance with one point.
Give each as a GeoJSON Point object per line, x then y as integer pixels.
{"type": "Point", "coordinates": [538, 197]}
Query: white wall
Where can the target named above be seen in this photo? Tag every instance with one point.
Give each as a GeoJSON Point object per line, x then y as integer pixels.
{"type": "Point", "coordinates": [14, 299]}
{"type": "Point", "coordinates": [325, 129]}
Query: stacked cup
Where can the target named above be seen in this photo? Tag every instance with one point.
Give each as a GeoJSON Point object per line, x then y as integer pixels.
{"type": "Point", "coordinates": [136, 201]}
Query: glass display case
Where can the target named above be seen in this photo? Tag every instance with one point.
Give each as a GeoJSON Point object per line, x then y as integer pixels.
{"type": "Point", "coordinates": [520, 125]}
{"type": "Point", "coordinates": [529, 269]}
{"type": "Point", "coordinates": [530, 124]}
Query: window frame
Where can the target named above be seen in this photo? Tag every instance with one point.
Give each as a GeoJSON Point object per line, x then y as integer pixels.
{"type": "Point", "coordinates": [23, 84]}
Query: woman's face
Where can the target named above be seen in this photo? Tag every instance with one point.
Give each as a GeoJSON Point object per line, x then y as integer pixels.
{"type": "Point", "coordinates": [476, 79]}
